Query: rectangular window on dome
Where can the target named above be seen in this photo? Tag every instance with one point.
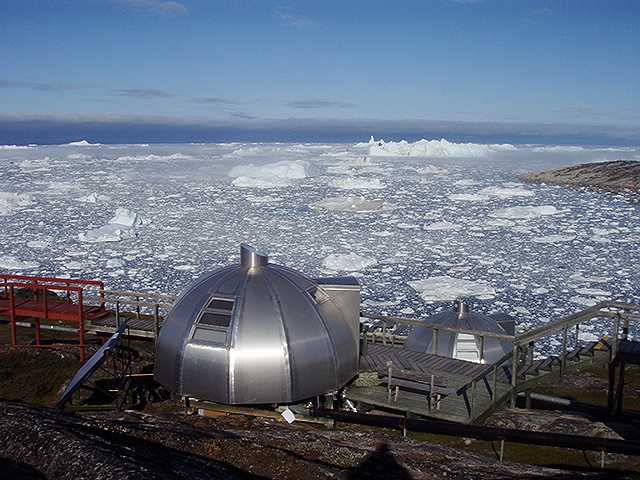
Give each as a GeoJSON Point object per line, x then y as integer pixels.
{"type": "Point", "coordinates": [210, 335]}
{"type": "Point", "coordinates": [220, 304]}
{"type": "Point", "coordinates": [215, 319]}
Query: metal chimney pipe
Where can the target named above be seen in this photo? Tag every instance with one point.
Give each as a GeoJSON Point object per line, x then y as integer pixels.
{"type": "Point", "coordinates": [460, 308]}
{"type": "Point", "coordinates": [252, 257]}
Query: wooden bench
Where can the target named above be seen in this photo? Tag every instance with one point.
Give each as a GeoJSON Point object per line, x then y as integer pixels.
{"type": "Point", "coordinates": [433, 387]}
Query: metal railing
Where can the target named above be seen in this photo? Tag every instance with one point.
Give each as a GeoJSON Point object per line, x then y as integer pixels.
{"type": "Point", "coordinates": [137, 303]}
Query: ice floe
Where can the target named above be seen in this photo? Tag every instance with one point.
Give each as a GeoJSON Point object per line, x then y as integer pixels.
{"type": "Point", "coordinates": [355, 183]}
{"type": "Point", "coordinates": [13, 201]}
{"type": "Point", "coordinates": [11, 262]}
{"type": "Point", "coordinates": [93, 198]}
{"type": "Point", "coordinates": [352, 204]}
{"type": "Point", "coordinates": [525, 212]}
{"type": "Point", "coordinates": [445, 288]}
{"type": "Point", "coordinates": [350, 262]}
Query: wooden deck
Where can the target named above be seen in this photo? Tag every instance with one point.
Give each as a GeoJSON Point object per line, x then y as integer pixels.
{"type": "Point", "coordinates": [470, 396]}
{"type": "Point", "coordinates": [454, 406]}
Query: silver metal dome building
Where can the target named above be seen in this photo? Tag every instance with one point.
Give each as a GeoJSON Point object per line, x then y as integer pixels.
{"type": "Point", "coordinates": [464, 346]}
{"type": "Point", "coordinates": [257, 333]}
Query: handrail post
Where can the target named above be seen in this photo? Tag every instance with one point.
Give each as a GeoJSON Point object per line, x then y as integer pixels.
{"type": "Point", "coordinates": [481, 359]}
{"type": "Point", "coordinates": [435, 341]}
{"type": "Point", "coordinates": [514, 374]}
{"type": "Point", "coordinates": [563, 363]}
{"type": "Point", "coordinates": [156, 325]}
{"type": "Point", "coordinates": [12, 308]}
{"type": "Point", "coordinates": [46, 303]}
{"type": "Point", "coordinates": [473, 400]}
{"type": "Point", "coordinates": [365, 340]}
{"type": "Point", "coordinates": [495, 382]}
{"type": "Point", "coordinates": [118, 313]}
{"type": "Point", "coordinates": [616, 332]}
{"type": "Point", "coordinates": [81, 325]}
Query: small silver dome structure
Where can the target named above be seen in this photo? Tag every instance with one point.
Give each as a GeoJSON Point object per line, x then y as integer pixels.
{"type": "Point", "coordinates": [460, 345]}
{"type": "Point", "coordinates": [258, 333]}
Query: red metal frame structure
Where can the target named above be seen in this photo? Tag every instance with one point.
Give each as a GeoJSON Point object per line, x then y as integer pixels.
{"type": "Point", "coordinates": [40, 307]}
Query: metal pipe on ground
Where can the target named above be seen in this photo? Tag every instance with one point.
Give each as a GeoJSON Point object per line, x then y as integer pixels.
{"type": "Point", "coordinates": [577, 442]}
{"type": "Point", "coordinates": [540, 401]}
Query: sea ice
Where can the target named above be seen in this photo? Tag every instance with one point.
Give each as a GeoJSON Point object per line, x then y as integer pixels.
{"type": "Point", "coordinates": [10, 262]}
{"type": "Point", "coordinates": [278, 174]}
{"type": "Point", "coordinates": [120, 227]}
{"type": "Point", "coordinates": [93, 198]}
{"type": "Point", "coordinates": [200, 218]}
{"type": "Point", "coordinates": [352, 204]}
{"type": "Point", "coordinates": [12, 201]}
{"type": "Point", "coordinates": [354, 183]}
{"type": "Point", "coordinates": [525, 212]}
{"type": "Point", "coordinates": [506, 192]}
{"type": "Point", "coordinates": [350, 262]}
{"type": "Point", "coordinates": [441, 289]}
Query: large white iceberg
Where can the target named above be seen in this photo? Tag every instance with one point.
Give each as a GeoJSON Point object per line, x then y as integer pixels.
{"type": "Point", "coordinates": [120, 227]}
{"type": "Point", "coordinates": [273, 175]}
{"type": "Point", "coordinates": [434, 148]}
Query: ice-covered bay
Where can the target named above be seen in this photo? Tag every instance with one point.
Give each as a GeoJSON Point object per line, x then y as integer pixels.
{"type": "Point", "coordinates": [413, 227]}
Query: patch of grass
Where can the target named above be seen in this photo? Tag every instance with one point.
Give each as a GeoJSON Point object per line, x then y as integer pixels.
{"type": "Point", "coordinates": [33, 375]}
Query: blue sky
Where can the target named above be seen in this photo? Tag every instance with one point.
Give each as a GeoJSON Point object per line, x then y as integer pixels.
{"type": "Point", "coordinates": [567, 62]}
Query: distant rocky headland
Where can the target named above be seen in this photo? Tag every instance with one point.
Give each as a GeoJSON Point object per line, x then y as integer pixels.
{"type": "Point", "coordinates": [621, 176]}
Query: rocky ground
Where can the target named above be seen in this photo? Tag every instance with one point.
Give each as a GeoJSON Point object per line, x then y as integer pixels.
{"type": "Point", "coordinates": [620, 176]}
{"type": "Point", "coordinates": [41, 442]}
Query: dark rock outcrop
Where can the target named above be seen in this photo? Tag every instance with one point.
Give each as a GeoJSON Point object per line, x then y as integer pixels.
{"type": "Point", "coordinates": [614, 176]}
{"type": "Point", "coordinates": [40, 442]}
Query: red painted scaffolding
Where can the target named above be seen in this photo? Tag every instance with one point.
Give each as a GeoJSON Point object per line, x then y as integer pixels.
{"type": "Point", "coordinates": [45, 299]}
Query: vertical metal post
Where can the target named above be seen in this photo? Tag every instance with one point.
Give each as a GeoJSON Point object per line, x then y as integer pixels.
{"type": "Point", "coordinates": [563, 363]}
{"type": "Point", "coordinates": [389, 378]}
{"type": "Point", "coordinates": [12, 308]}
{"type": "Point", "coordinates": [138, 308]}
{"type": "Point", "coordinates": [435, 341]}
{"type": "Point", "coordinates": [365, 336]}
{"type": "Point", "coordinates": [495, 383]}
{"type": "Point", "coordinates": [514, 375]}
{"type": "Point", "coordinates": [80, 324]}
{"type": "Point", "coordinates": [616, 332]}
{"type": "Point", "coordinates": [481, 349]}
{"type": "Point", "coordinates": [118, 313]}
{"type": "Point", "coordinates": [473, 400]}
{"type": "Point", "coordinates": [156, 321]}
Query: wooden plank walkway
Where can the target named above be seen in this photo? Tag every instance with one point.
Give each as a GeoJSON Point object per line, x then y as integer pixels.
{"type": "Point", "coordinates": [138, 327]}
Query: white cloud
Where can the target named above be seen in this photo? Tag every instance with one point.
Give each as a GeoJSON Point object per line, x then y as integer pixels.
{"type": "Point", "coordinates": [157, 6]}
